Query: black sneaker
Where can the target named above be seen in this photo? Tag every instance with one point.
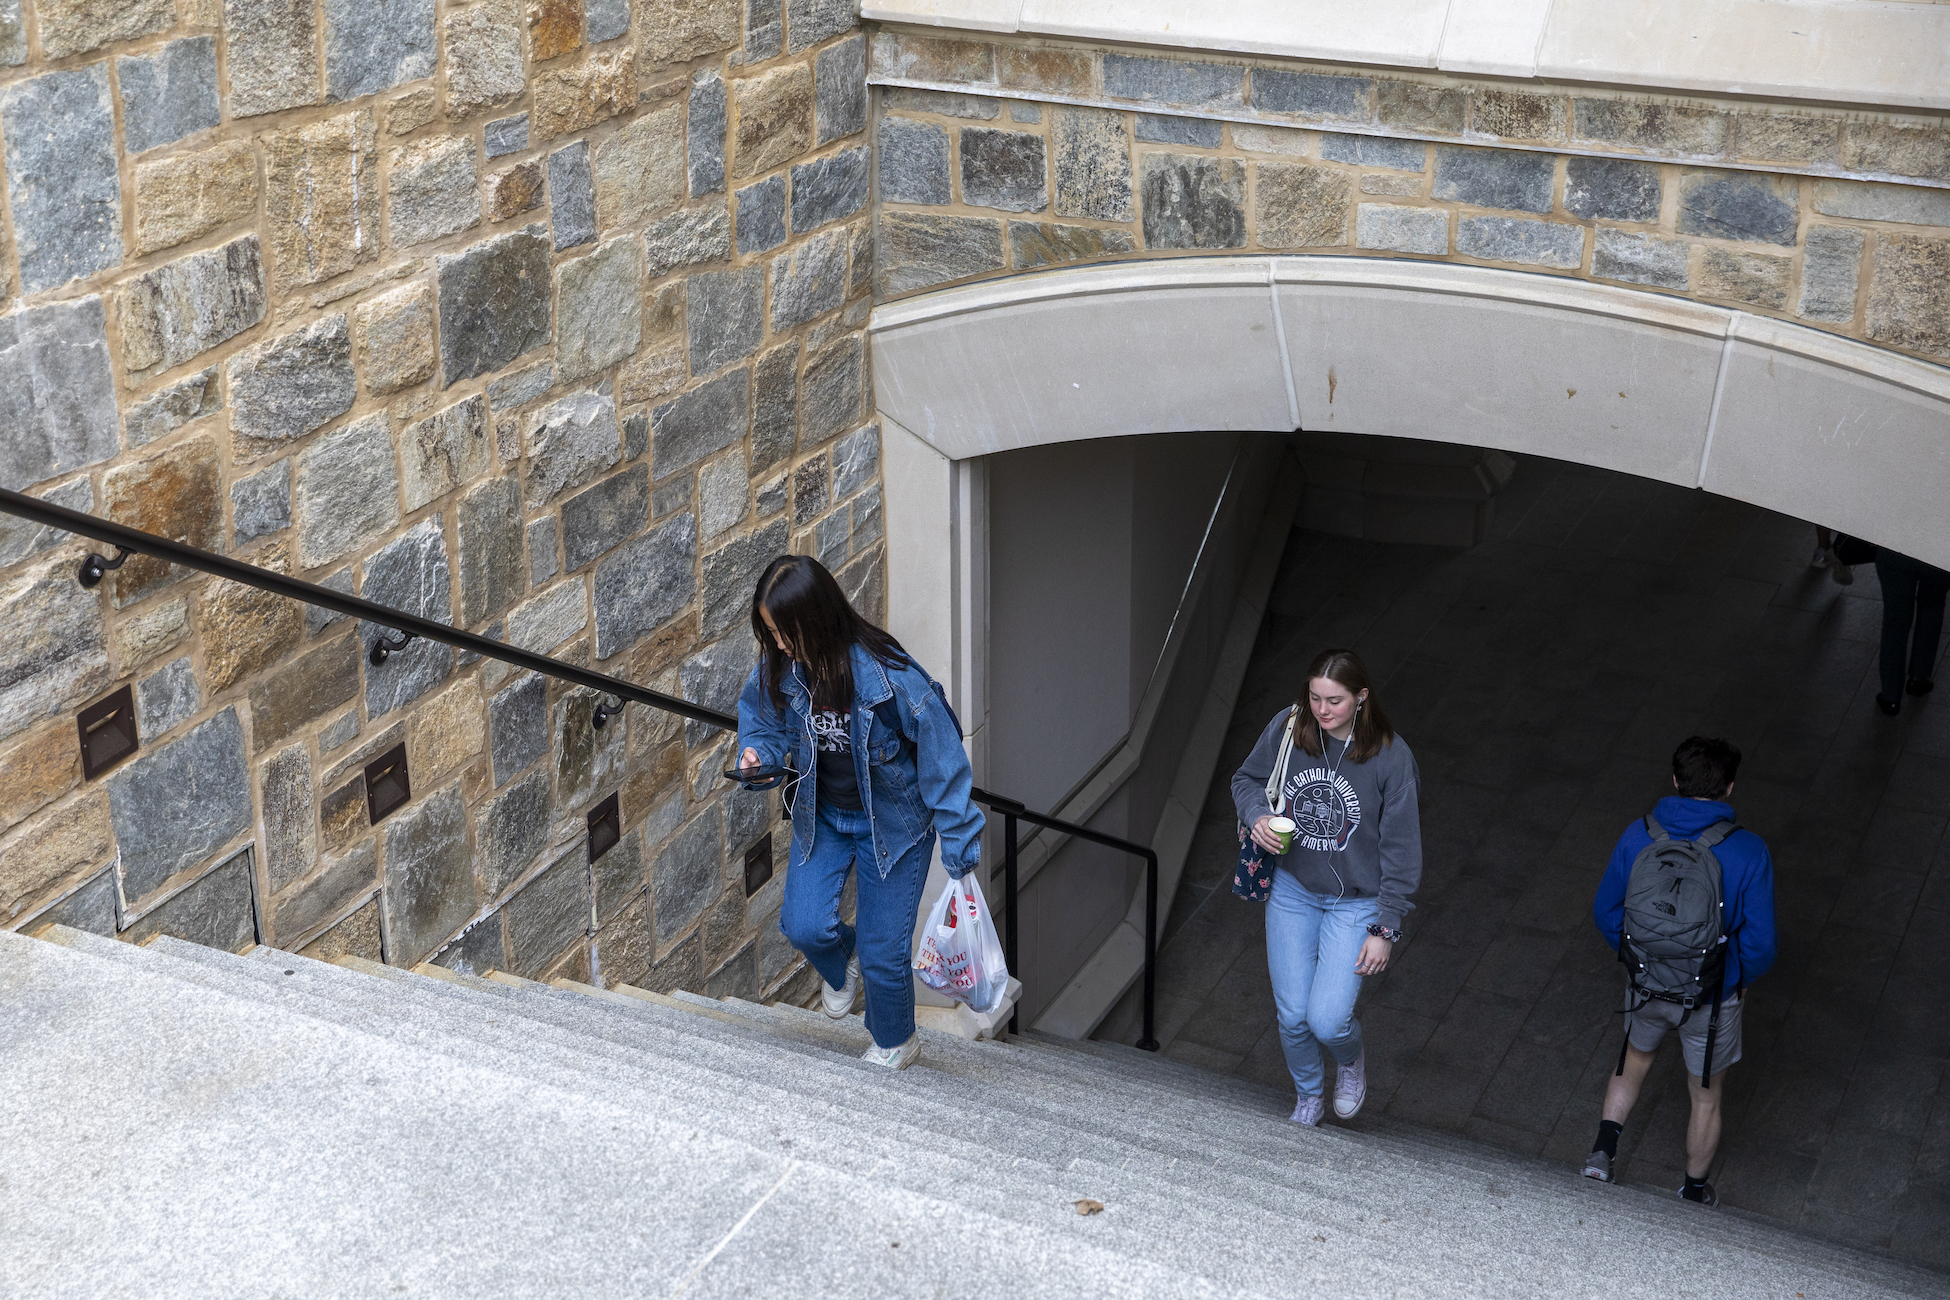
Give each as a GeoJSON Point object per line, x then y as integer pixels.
{"type": "Point", "coordinates": [1890, 708]}
{"type": "Point", "coordinates": [1706, 1196]}
{"type": "Point", "coordinates": [1921, 686]}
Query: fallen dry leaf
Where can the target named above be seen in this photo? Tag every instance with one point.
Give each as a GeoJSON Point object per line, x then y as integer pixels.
{"type": "Point", "coordinates": [1090, 1207]}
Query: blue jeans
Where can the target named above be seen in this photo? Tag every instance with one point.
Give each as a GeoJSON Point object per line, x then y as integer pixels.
{"type": "Point", "coordinates": [810, 918]}
{"type": "Point", "coordinates": [1312, 943]}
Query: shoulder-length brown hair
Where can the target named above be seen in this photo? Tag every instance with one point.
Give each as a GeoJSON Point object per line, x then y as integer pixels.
{"type": "Point", "coordinates": [822, 627]}
{"type": "Point", "coordinates": [1372, 729]}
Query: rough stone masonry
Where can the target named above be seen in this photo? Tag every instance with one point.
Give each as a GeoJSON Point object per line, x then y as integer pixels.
{"type": "Point", "coordinates": [543, 319]}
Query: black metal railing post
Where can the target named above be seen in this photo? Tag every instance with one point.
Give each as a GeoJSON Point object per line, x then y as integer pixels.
{"type": "Point", "coordinates": [1150, 1040]}
{"type": "Point", "coordinates": [1009, 894]}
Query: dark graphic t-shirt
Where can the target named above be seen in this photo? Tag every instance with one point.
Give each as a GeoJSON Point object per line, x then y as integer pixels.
{"type": "Point", "coordinates": [839, 785]}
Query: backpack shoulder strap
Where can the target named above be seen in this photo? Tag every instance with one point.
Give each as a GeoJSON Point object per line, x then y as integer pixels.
{"type": "Point", "coordinates": [1716, 832]}
{"type": "Point", "coordinates": [1656, 831]}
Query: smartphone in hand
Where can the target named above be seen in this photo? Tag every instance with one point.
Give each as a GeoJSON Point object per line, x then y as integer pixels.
{"type": "Point", "coordinates": [760, 775]}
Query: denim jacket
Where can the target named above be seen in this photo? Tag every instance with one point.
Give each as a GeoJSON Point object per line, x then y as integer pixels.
{"type": "Point", "coordinates": [913, 773]}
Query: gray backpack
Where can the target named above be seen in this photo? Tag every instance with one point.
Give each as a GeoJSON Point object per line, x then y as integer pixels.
{"type": "Point", "coordinates": [1672, 938]}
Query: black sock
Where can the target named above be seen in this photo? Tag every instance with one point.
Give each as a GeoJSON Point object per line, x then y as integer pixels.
{"type": "Point", "coordinates": [1608, 1138]}
{"type": "Point", "coordinates": [1695, 1188]}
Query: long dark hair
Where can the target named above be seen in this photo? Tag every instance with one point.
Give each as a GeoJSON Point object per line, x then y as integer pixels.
{"type": "Point", "coordinates": [1372, 729]}
{"type": "Point", "coordinates": [820, 624]}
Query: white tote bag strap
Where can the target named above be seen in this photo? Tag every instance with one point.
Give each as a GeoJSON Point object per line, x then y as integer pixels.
{"type": "Point", "coordinates": [1276, 784]}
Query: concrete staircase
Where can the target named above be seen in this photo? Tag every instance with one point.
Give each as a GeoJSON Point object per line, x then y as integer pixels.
{"type": "Point", "coordinates": [180, 1121]}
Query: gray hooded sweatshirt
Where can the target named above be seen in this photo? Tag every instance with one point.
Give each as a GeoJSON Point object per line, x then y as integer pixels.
{"type": "Point", "coordinates": [1359, 825]}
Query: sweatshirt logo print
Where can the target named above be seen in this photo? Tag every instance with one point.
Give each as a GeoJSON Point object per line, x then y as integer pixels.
{"type": "Point", "coordinates": [1324, 808]}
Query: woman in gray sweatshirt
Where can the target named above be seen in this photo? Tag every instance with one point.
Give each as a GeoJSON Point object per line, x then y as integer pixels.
{"type": "Point", "coordinates": [1341, 890]}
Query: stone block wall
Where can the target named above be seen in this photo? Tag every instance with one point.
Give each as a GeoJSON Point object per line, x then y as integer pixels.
{"type": "Point", "coordinates": [1004, 156]}
{"type": "Point", "coordinates": [542, 318]}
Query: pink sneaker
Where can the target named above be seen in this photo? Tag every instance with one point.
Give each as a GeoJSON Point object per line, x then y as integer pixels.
{"type": "Point", "coordinates": [1308, 1111]}
{"type": "Point", "coordinates": [1351, 1086]}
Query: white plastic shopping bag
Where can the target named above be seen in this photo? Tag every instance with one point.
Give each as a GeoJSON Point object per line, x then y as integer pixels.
{"type": "Point", "coordinates": [961, 955]}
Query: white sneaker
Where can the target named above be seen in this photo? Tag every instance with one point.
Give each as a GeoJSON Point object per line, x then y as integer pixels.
{"type": "Point", "coordinates": [838, 1003]}
{"type": "Point", "coordinates": [1307, 1110]}
{"type": "Point", "coordinates": [894, 1058]}
{"type": "Point", "coordinates": [1351, 1086]}
{"type": "Point", "coordinates": [1822, 559]}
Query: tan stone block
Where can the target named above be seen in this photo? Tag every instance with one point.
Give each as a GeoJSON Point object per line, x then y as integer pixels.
{"type": "Point", "coordinates": [303, 690]}
{"type": "Point", "coordinates": [244, 629]}
{"type": "Point", "coordinates": [177, 493]}
{"type": "Point", "coordinates": [1757, 278]}
{"type": "Point", "coordinates": [1055, 72]}
{"type": "Point", "coordinates": [446, 733]}
{"type": "Point", "coordinates": [554, 27]}
{"type": "Point", "coordinates": [39, 770]}
{"type": "Point", "coordinates": [663, 315]}
{"type": "Point", "coordinates": [1391, 183]}
{"type": "Point", "coordinates": [651, 373]}
{"type": "Point", "coordinates": [483, 57]}
{"type": "Point", "coordinates": [639, 171]}
{"type": "Point", "coordinates": [1421, 107]}
{"type": "Point", "coordinates": [624, 946]}
{"type": "Point", "coordinates": [1782, 137]}
{"type": "Point", "coordinates": [396, 338]}
{"type": "Point", "coordinates": [201, 13]}
{"type": "Point", "coordinates": [1044, 243]}
{"type": "Point", "coordinates": [1298, 206]}
{"type": "Point", "coordinates": [602, 86]}
{"type": "Point", "coordinates": [179, 199]}
{"type": "Point", "coordinates": [411, 112]}
{"type": "Point", "coordinates": [1664, 128]}
{"type": "Point", "coordinates": [1518, 115]}
{"type": "Point", "coordinates": [924, 58]}
{"type": "Point", "coordinates": [675, 31]}
{"type": "Point", "coordinates": [664, 647]}
{"type": "Point", "coordinates": [77, 26]}
{"type": "Point", "coordinates": [72, 839]}
{"type": "Point", "coordinates": [775, 118]}
{"type": "Point", "coordinates": [517, 190]}
{"type": "Point", "coordinates": [321, 199]}
{"type": "Point", "coordinates": [144, 637]}
{"type": "Point", "coordinates": [342, 816]}
{"type": "Point", "coordinates": [1909, 296]}
{"type": "Point", "coordinates": [1898, 150]}
{"type": "Point", "coordinates": [356, 936]}
{"type": "Point", "coordinates": [1274, 139]}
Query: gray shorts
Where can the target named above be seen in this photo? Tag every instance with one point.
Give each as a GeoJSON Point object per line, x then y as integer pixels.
{"type": "Point", "coordinates": [1646, 1029]}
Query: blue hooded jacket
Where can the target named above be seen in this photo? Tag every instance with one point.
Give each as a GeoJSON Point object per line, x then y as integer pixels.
{"type": "Point", "coordinates": [1746, 883]}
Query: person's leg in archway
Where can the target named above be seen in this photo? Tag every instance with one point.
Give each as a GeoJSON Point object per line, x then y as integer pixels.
{"type": "Point", "coordinates": [1621, 1094]}
{"type": "Point", "coordinates": [1932, 588]}
{"type": "Point", "coordinates": [1898, 581]}
{"type": "Point", "coordinates": [1293, 921]}
{"type": "Point", "coordinates": [885, 918]}
{"type": "Point", "coordinates": [1702, 1136]}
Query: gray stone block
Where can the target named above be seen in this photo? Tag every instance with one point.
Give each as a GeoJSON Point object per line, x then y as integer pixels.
{"type": "Point", "coordinates": [549, 913]}
{"type": "Point", "coordinates": [588, 758]}
{"type": "Point", "coordinates": [737, 978]}
{"type": "Point", "coordinates": [619, 874]}
{"type": "Point", "coordinates": [550, 619]}
{"type": "Point", "coordinates": [57, 391]}
{"type": "Point", "coordinates": [172, 408]}
{"type": "Point", "coordinates": [595, 520]}
{"type": "Point", "coordinates": [764, 29]}
{"type": "Point", "coordinates": [215, 910]}
{"type": "Point", "coordinates": [1402, 230]}
{"type": "Point", "coordinates": [272, 53]}
{"type": "Point", "coordinates": [290, 825]}
{"type": "Point", "coordinates": [166, 697]}
{"type": "Point", "coordinates": [487, 526]}
{"type": "Point", "coordinates": [731, 574]}
{"type": "Point", "coordinates": [636, 435]}
{"type": "Point", "coordinates": [1612, 189]}
{"type": "Point", "coordinates": [176, 805]}
{"type": "Point", "coordinates": [840, 91]}
{"type": "Point", "coordinates": [644, 583]}
{"type": "Point", "coordinates": [1831, 266]}
{"type": "Point", "coordinates": [443, 451]}
{"type": "Point", "coordinates": [607, 19]}
{"type": "Point", "coordinates": [169, 94]}
{"type": "Point", "coordinates": [336, 734]}
{"type": "Point", "coordinates": [1740, 205]}
{"type": "Point", "coordinates": [511, 392]}
{"type": "Point", "coordinates": [919, 250]}
{"type": "Point", "coordinates": [1312, 94]}
{"type": "Point", "coordinates": [809, 280]}
{"type": "Point", "coordinates": [775, 406]}
{"type": "Point", "coordinates": [831, 392]}
{"type": "Point", "coordinates": [599, 309]}
{"type": "Point", "coordinates": [293, 384]}
{"type": "Point", "coordinates": [714, 675]}
{"type": "Point", "coordinates": [808, 22]}
{"type": "Point", "coordinates": [408, 575]}
{"type": "Point", "coordinates": [372, 47]}
{"type": "Point", "coordinates": [689, 238]}
{"type": "Point", "coordinates": [724, 496]}
{"type": "Point", "coordinates": [429, 883]}
{"type": "Point", "coordinates": [868, 526]}
{"type": "Point", "coordinates": [761, 215]}
{"type": "Point", "coordinates": [478, 950]}
{"type": "Point", "coordinates": [56, 647]}
{"type": "Point", "coordinates": [1512, 239]}
{"type": "Point", "coordinates": [1661, 128]}
{"type": "Point", "coordinates": [90, 908]}
{"type": "Point", "coordinates": [856, 461]}
{"type": "Point", "coordinates": [701, 422]}
{"type": "Point", "coordinates": [184, 308]}
{"type": "Point", "coordinates": [1021, 112]}
{"type": "Point", "coordinates": [518, 726]}
{"type": "Point", "coordinates": [13, 35]}
{"type": "Point", "coordinates": [62, 180]}
{"type": "Point", "coordinates": [913, 162]}
{"type": "Point", "coordinates": [1639, 259]}
{"type": "Point", "coordinates": [828, 189]}
{"type": "Point", "coordinates": [830, 540]}
{"type": "Point", "coordinates": [261, 504]}
{"type": "Point", "coordinates": [490, 311]}
{"type": "Point", "coordinates": [1174, 81]}
{"type": "Point", "coordinates": [809, 483]}
{"type": "Point", "coordinates": [1495, 178]}
{"type": "Point", "coordinates": [432, 190]}
{"type": "Point", "coordinates": [1161, 128]}
{"type": "Point", "coordinates": [318, 618]}
{"type": "Point", "coordinates": [725, 314]}
{"type": "Point", "coordinates": [1873, 201]}
{"type": "Point", "coordinates": [543, 562]}
{"type": "Point", "coordinates": [1003, 169]}
{"type": "Point", "coordinates": [320, 901]}
{"type": "Point", "coordinates": [687, 876]}
{"type": "Point", "coordinates": [1192, 201]}
{"type": "Point", "coordinates": [514, 826]}
{"type": "Point", "coordinates": [1374, 151]}
{"type": "Point", "coordinates": [506, 135]}
{"type": "Point", "coordinates": [944, 103]}
{"type": "Point", "coordinates": [704, 129]}
{"type": "Point", "coordinates": [20, 538]}
{"type": "Point", "coordinates": [1092, 164]}
{"type": "Point", "coordinates": [568, 443]}
{"type": "Point", "coordinates": [346, 491]}
{"type": "Point", "coordinates": [674, 495]}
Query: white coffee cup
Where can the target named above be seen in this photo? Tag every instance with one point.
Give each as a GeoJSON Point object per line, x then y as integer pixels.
{"type": "Point", "coordinates": [1284, 828]}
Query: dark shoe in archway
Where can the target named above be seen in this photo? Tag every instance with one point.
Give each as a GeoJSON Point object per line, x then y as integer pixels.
{"type": "Point", "coordinates": [1707, 1196]}
{"type": "Point", "coordinates": [1921, 686]}
{"type": "Point", "coordinates": [1598, 1165]}
{"type": "Point", "coordinates": [1890, 708]}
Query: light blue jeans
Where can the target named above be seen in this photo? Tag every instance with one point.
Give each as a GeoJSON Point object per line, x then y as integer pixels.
{"type": "Point", "coordinates": [1312, 943]}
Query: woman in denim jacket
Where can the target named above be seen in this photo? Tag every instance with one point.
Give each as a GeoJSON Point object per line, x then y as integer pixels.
{"type": "Point", "coordinates": [881, 772]}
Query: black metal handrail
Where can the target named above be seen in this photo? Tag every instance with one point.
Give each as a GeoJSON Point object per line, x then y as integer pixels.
{"type": "Point", "coordinates": [128, 541]}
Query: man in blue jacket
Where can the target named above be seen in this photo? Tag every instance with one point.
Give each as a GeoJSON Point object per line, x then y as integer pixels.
{"type": "Point", "coordinates": [1702, 780]}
